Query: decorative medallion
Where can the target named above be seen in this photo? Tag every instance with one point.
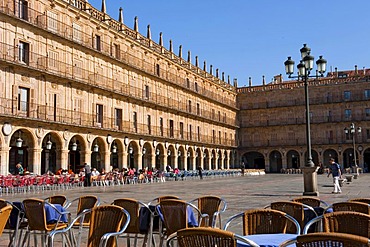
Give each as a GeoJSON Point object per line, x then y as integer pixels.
{"type": "Point", "coordinates": [7, 129]}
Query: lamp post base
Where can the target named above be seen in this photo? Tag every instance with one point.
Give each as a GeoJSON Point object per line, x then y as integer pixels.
{"type": "Point", "coordinates": [310, 181]}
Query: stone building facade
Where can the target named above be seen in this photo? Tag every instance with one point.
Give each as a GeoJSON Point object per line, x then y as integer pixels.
{"type": "Point", "coordinates": [78, 86]}
{"type": "Point", "coordinates": [272, 122]}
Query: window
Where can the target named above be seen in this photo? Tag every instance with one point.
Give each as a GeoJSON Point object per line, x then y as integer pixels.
{"type": "Point", "coordinates": [190, 132]}
{"type": "Point", "coordinates": [198, 133]}
{"type": "Point", "coordinates": [118, 118]}
{"type": "Point", "coordinates": [348, 114]}
{"type": "Point", "coordinates": [213, 136]}
{"type": "Point", "coordinates": [149, 123]}
{"type": "Point", "coordinates": [157, 70]}
{"type": "Point", "coordinates": [347, 95]}
{"type": "Point", "coordinates": [198, 109]}
{"type": "Point", "coordinates": [219, 137]}
{"type": "Point", "coordinates": [23, 9]}
{"type": "Point", "coordinates": [219, 116]}
{"type": "Point", "coordinates": [367, 93]}
{"type": "Point", "coordinates": [53, 59]}
{"type": "Point", "coordinates": [23, 99]}
{"type": "Point", "coordinates": [367, 112]}
{"type": "Point", "coordinates": [134, 116]}
{"type": "Point", "coordinates": [189, 106]}
{"type": "Point", "coordinates": [146, 92]}
{"type": "Point", "coordinates": [161, 126]}
{"type": "Point", "coordinates": [181, 130]}
{"type": "Point", "coordinates": [99, 115]}
{"type": "Point", "coordinates": [187, 83]}
{"type": "Point", "coordinates": [171, 128]}
{"type": "Point", "coordinates": [76, 33]}
{"type": "Point", "coordinates": [368, 134]}
{"type": "Point", "coordinates": [23, 52]}
{"type": "Point", "coordinates": [52, 21]}
{"type": "Point", "coordinates": [330, 116]}
{"type": "Point", "coordinates": [213, 113]}
{"type": "Point", "coordinates": [97, 42]}
{"type": "Point", "coordinates": [117, 51]}
{"type": "Point", "coordinates": [196, 86]}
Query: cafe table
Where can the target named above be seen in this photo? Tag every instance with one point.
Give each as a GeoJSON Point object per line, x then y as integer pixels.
{"type": "Point", "coordinates": [268, 240]}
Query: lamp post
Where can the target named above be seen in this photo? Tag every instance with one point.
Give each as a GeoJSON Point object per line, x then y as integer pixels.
{"type": "Point", "coordinates": [304, 68]}
{"type": "Point", "coordinates": [352, 131]}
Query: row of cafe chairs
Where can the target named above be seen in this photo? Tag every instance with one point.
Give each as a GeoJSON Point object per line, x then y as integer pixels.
{"type": "Point", "coordinates": [27, 183]}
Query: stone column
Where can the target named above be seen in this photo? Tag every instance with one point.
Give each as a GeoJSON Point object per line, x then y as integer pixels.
{"type": "Point", "coordinates": [86, 157]}
{"type": "Point", "coordinates": [107, 165]}
{"type": "Point", "coordinates": [36, 161]}
{"type": "Point", "coordinates": [4, 160]}
{"type": "Point", "coordinates": [63, 158]}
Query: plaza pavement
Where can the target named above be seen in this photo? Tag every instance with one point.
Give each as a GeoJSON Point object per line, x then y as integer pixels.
{"type": "Point", "coordinates": [240, 192]}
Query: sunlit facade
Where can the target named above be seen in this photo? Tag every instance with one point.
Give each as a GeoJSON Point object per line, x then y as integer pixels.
{"type": "Point", "coordinates": [79, 86]}
{"type": "Point", "coordinates": [272, 122]}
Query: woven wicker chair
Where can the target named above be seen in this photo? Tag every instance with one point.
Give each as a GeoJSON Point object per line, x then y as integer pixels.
{"type": "Point", "coordinates": [294, 209]}
{"type": "Point", "coordinates": [83, 203]}
{"type": "Point", "coordinates": [16, 223]}
{"type": "Point", "coordinates": [57, 199]}
{"type": "Point", "coordinates": [213, 206]}
{"type": "Point", "coordinates": [310, 201]}
{"type": "Point", "coordinates": [133, 207]}
{"type": "Point", "coordinates": [157, 200]}
{"type": "Point", "coordinates": [359, 207]}
{"type": "Point", "coordinates": [343, 222]}
{"type": "Point", "coordinates": [206, 236]}
{"type": "Point", "coordinates": [328, 239]}
{"type": "Point", "coordinates": [4, 216]}
{"type": "Point", "coordinates": [37, 222]}
{"type": "Point", "coordinates": [175, 216]}
{"type": "Point", "coordinates": [264, 221]}
{"type": "Point", "coordinates": [107, 222]}
{"type": "Point", "coordinates": [365, 200]}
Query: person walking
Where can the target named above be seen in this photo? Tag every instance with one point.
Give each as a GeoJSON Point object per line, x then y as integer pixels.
{"type": "Point", "coordinates": [334, 169]}
{"type": "Point", "coordinates": [87, 181]}
{"type": "Point", "coordinates": [200, 172]}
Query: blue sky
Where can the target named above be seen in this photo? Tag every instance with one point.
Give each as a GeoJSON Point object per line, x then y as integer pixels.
{"type": "Point", "coordinates": [252, 38]}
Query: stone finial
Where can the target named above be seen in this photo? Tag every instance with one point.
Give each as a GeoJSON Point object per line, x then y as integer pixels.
{"type": "Point", "coordinates": [217, 73]}
{"type": "Point", "coordinates": [223, 76]}
{"type": "Point", "coordinates": [250, 81]}
{"type": "Point", "coordinates": [235, 82]}
{"type": "Point", "coordinates": [205, 66]}
{"type": "Point", "coordinates": [189, 57]}
{"type": "Point", "coordinates": [263, 80]}
{"type": "Point", "coordinates": [136, 24]}
{"type": "Point", "coordinates": [160, 39]}
{"type": "Point", "coordinates": [103, 7]}
{"type": "Point", "coordinates": [120, 16]}
{"type": "Point", "coordinates": [196, 61]}
{"type": "Point", "coordinates": [228, 79]}
{"type": "Point", "coordinates": [180, 51]}
{"type": "Point", "coordinates": [171, 46]}
{"type": "Point", "coordinates": [148, 32]}
{"type": "Point", "coordinates": [211, 69]}
{"type": "Point", "coordinates": [356, 70]}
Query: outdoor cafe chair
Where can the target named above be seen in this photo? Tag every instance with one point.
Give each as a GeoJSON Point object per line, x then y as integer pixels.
{"type": "Point", "coordinates": [157, 200]}
{"type": "Point", "coordinates": [57, 199]}
{"type": "Point", "coordinates": [83, 203]}
{"type": "Point", "coordinates": [359, 207]}
{"type": "Point", "coordinates": [206, 236]}
{"type": "Point", "coordinates": [38, 223]}
{"type": "Point", "coordinates": [106, 223]}
{"type": "Point", "coordinates": [300, 212]}
{"type": "Point", "coordinates": [263, 221]}
{"type": "Point", "coordinates": [213, 206]}
{"type": "Point", "coordinates": [140, 220]}
{"type": "Point", "coordinates": [327, 239]}
{"type": "Point", "coordinates": [343, 222]}
{"type": "Point", "coordinates": [311, 201]}
{"type": "Point", "coordinates": [4, 216]}
{"type": "Point", "coordinates": [16, 222]}
{"type": "Point", "coordinates": [365, 200]}
{"type": "Point", "coordinates": [176, 215]}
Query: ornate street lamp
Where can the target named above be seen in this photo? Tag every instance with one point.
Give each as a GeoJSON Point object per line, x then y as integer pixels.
{"type": "Point", "coordinates": [352, 131]}
{"type": "Point", "coordinates": [19, 140]}
{"type": "Point", "coordinates": [49, 144]}
{"type": "Point", "coordinates": [114, 147]}
{"type": "Point", "coordinates": [304, 70]}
